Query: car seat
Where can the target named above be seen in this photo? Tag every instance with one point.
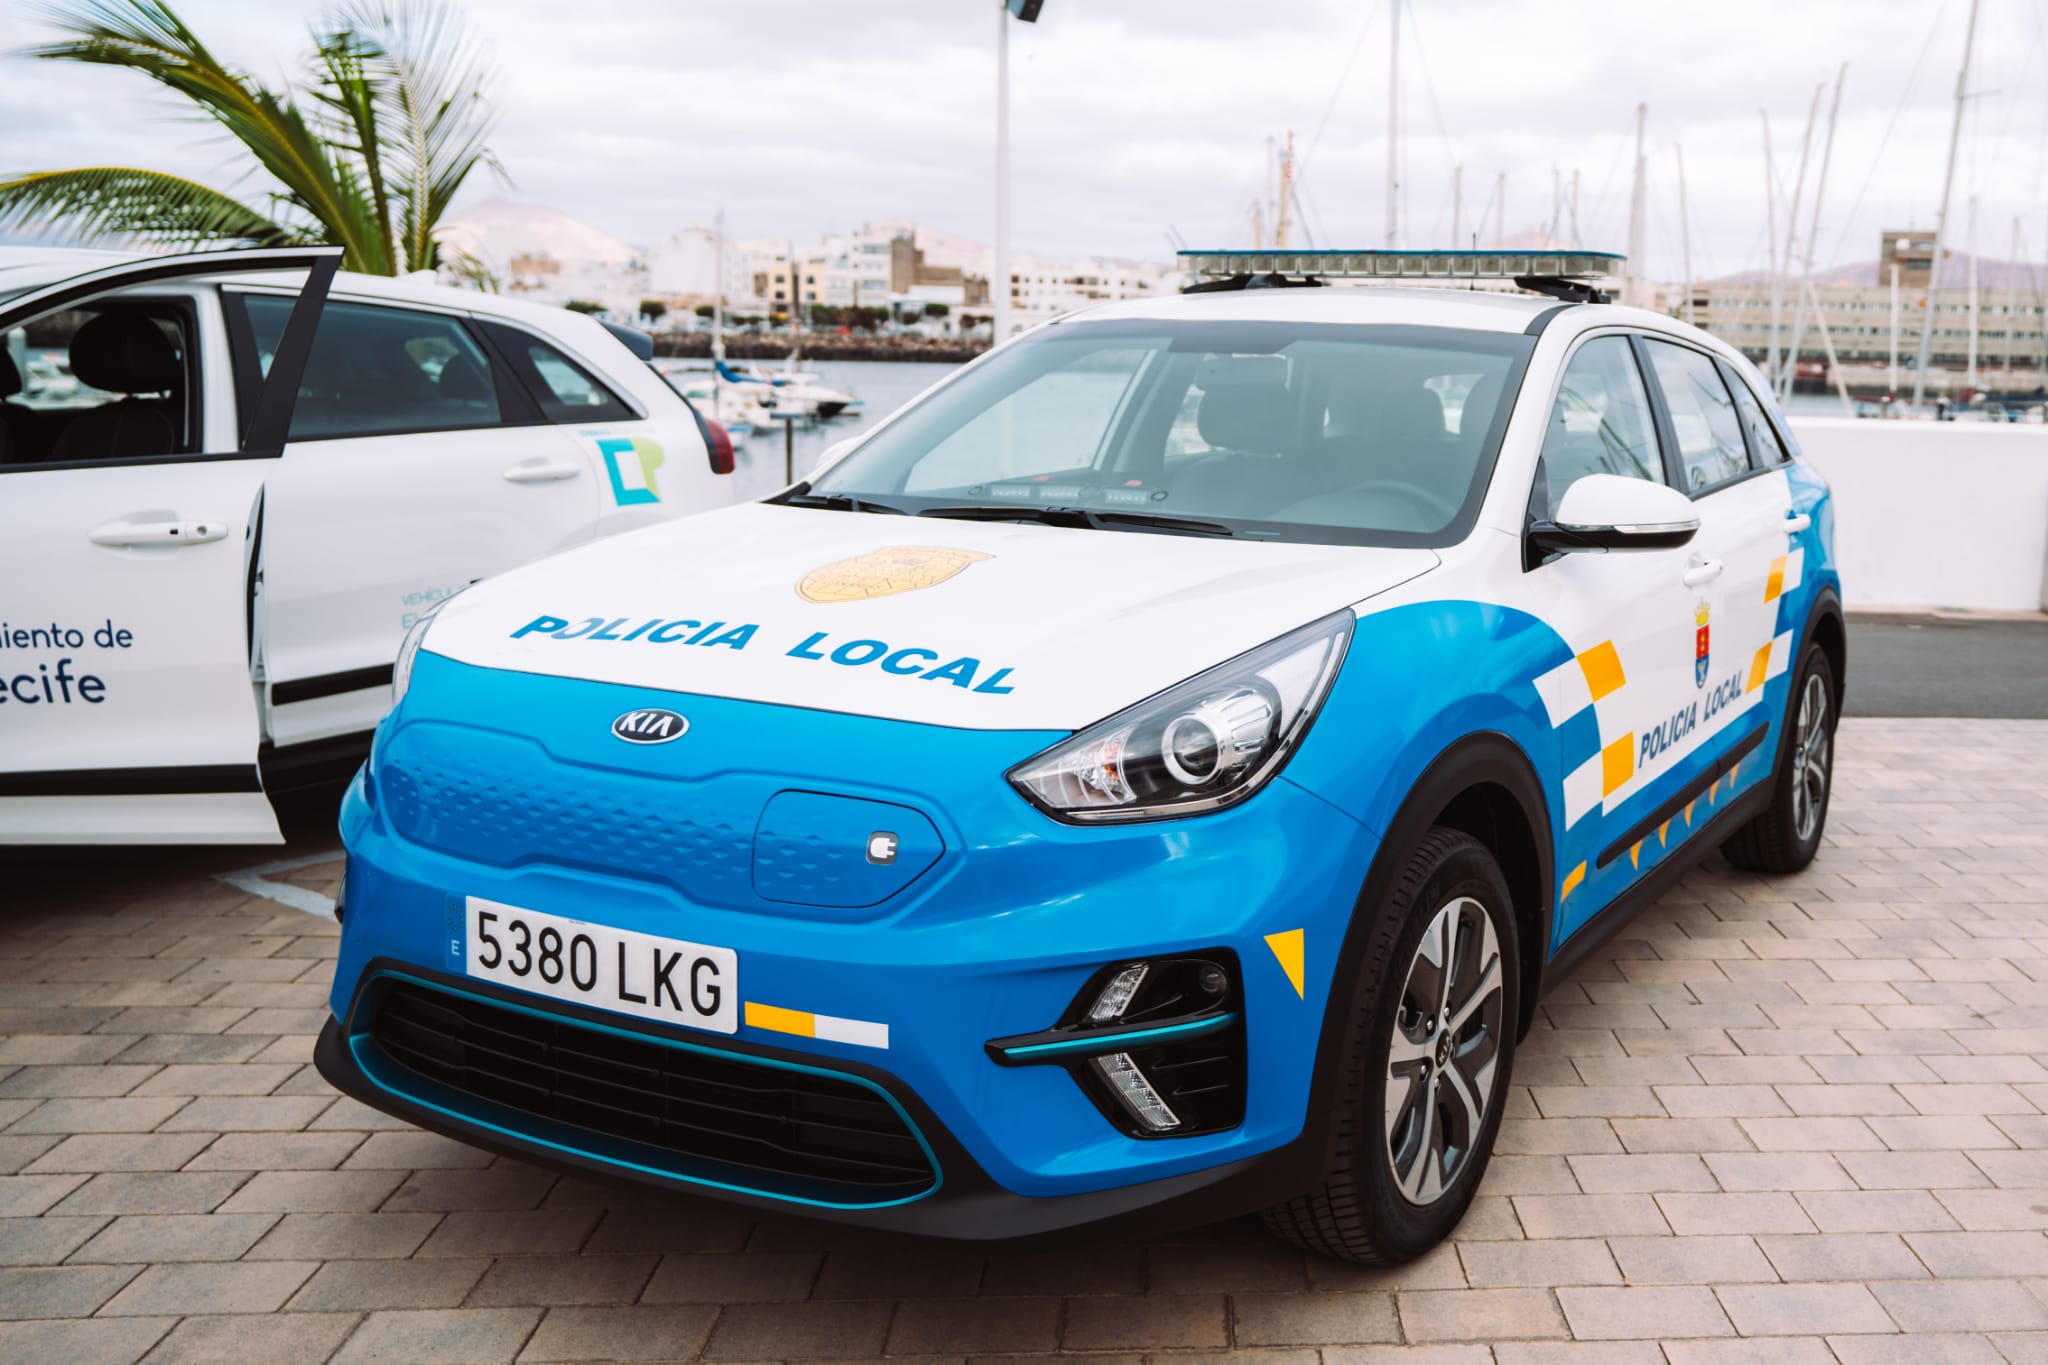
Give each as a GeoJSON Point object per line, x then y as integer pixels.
{"type": "Point", "coordinates": [124, 353]}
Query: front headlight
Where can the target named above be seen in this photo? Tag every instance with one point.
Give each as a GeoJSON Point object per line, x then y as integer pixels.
{"type": "Point", "coordinates": [409, 647]}
{"type": "Point", "coordinates": [1198, 746]}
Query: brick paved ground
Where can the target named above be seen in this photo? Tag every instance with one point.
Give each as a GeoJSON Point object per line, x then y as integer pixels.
{"type": "Point", "coordinates": [1786, 1121]}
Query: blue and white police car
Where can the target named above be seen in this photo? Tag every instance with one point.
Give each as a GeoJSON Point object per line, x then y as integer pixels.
{"type": "Point", "coordinates": [1154, 775]}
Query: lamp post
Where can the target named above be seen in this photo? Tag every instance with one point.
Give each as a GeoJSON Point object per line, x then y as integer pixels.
{"type": "Point", "coordinates": [999, 287]}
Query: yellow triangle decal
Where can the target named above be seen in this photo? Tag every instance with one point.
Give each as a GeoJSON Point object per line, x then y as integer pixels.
{"type": "Point", "coordinates": [1288, 951]}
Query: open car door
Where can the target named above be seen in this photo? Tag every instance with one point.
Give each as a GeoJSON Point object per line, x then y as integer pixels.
{"type": "Point", "coordinates": [127, 713]}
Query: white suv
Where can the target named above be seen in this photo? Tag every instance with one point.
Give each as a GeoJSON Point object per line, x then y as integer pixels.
{"type": "Point", "coordinates": [231, 481]}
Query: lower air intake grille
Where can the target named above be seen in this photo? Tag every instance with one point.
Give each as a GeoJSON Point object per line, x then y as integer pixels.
{"type": "Point", "coordinates": [701, 1115]}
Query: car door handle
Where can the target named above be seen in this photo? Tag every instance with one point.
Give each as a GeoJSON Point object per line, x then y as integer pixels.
{"type": "Point", "coordinates": [1706, 571]}
{"type": "Point", "coordinates": [1797, 522]}
{"type": "Point", "coordinates": [126, 533]}
{"type": "Point", "coordinates": [542, 471]}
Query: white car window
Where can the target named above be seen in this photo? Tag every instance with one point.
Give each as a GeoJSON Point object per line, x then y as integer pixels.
{"type": "Point", "coordinates": [102, 380]}
{"type": "Point", "coordinates": [565, 391]}
{"type": "Point", "coordinates": [378, 371]}
{"type": "Point", "coordinates": [1703, 417]}
{"type": "Point", "coordinates": [1764, 446]}
{"type": "Point", "coordinates": [1600, 424]}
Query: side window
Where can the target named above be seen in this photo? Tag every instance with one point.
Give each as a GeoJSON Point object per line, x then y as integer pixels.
{"type": "Point", "coordinates": [1710, 446]}
{"type": "Point", "coordinates": [378, 371]}
{"type": "Point", "coordinates": [565, 391]}
{"type": "Point", "coordinates": [106, 379]}
{"type": "Point", "coordinates": [1601, 424]}
{"type": "Point", "coordinates": [1765, 449]}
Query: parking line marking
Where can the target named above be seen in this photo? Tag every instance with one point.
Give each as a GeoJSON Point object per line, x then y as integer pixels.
{"type": "Point", "coordinates": [256, 881]}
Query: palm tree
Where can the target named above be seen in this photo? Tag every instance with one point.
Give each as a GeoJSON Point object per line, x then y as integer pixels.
{"type": "Point", "coordinates": [366, 156]}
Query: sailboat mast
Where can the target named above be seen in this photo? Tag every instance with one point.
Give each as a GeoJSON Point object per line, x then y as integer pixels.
{"type": "Point", "coordinates": [1771, 250]}
{"type": "Point", "coordinates": [1458, 208]}
{"type": "Point", "coordinates": [1500, 209]}
{"type": "Point", "coordinates": [1790, 373]}
{"type": "Point", "coordinates": [1633, 285]}
{"type": "Point", "coordinates": [1892, 390]}
{"type": "Point", "coordinates": [1820, 188]}
{"type": "Point", "coordinates": [1970, 367]}
{"type": "Point", "coordinates": [717, 296]}
{"type": "Point", "coordinates": [2011, 290]}
{"type": "Point", "coordinates": [1394, 127]}
{"type": "Point", "coordinates": [1684, 235]}
{"type": "Point", "coordinates": [1948, 181]}
{"type": "Point", "coordinates": [1286, 193]}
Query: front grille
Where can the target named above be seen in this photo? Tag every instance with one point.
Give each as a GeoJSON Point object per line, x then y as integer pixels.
{"type": "Point", "coordinates": [715, 1117]}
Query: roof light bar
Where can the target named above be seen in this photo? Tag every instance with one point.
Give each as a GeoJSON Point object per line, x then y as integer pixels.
{"type": "Point", "coordinates": [1407, 265]}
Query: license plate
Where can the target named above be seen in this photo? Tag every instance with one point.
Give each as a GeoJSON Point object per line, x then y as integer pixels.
{"type": "Point", "coordinates": [665, 979]}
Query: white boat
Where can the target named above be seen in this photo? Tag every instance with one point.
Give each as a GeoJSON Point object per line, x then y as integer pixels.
{"type": "Point", "coordinates": [729, 405]}
{"type": "Point", "coordinates": [790, 386]}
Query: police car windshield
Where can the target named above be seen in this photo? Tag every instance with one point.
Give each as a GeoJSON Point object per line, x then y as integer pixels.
{"type": "Point", "coordinates": [1376, 435]}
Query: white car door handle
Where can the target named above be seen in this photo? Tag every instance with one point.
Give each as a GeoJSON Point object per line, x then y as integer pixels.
{"type": "Point", "coordinates": [542, 471]}
{"type": "Point", "coordinates": [1797, 522]}
{"type": "Point", "coordinates": [123, 533]}
{"type": "Point", "coordinates": [1704, 572]}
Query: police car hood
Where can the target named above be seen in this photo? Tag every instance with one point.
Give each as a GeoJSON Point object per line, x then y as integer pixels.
{"type": "Point", "coordinates": [979, 625]}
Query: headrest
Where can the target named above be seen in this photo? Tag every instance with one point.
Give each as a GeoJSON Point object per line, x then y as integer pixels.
{"type": "Point", "coordinates": [125, 353]}
{"type": "Point", "coordinates": [1411, 416]}
{"type": "Point", "coordinates": [10, 377]}
{"type": "Point", "coordinates": [463, 380]}
{"type": "Point", "coordinates": [1256, 416]}
{"type": "Point", "coordinates": [1480, 401]}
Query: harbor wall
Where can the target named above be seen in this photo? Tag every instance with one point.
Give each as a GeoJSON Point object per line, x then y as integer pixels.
{"type": "Point", "coordinates": [1936, 514]}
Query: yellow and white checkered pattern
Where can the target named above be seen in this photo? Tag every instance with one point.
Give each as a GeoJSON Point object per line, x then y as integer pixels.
{"type": "Point", "coordinates": [1591, 678]}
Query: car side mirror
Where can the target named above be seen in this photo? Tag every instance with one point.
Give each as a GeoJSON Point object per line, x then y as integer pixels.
{"type": "Point", "coordinates": [1602, 512]}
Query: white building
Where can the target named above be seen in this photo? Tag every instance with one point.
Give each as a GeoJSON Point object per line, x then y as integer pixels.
{"type": "Point", "coordinates": [685, 269]}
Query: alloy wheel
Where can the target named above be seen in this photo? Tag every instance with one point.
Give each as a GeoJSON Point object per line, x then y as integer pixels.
{"type": "Point", "coordinates": [1445, 1046]}
{"type": "Point", "coordinates": [1810, 753]}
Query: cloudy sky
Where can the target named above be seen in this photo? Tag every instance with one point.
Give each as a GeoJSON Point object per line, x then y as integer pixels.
{"type": "Point", "coordinates": [1136, 118]}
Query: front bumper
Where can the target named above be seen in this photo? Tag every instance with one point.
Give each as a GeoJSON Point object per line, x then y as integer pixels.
{"type": "Point", "coordinates": [964, 1203]}
{"type": "Point", "coordinates": [993, 942]}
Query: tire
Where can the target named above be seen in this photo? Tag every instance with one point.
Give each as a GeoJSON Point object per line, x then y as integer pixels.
{"type": "Point", "coordinates": [1390, 1196]}
{"type": "Point", "coordinates": [1787, 834]}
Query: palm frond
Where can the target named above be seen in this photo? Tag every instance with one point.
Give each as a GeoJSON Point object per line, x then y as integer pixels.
{"type": "Point", "coordinates": [147, 37]}
{"type": "Point", "coordinates": [346, 88]}
{"type": "Point", "coordinates": [434, 93]}
{"type": "Point", "coordinates": [127, 204]}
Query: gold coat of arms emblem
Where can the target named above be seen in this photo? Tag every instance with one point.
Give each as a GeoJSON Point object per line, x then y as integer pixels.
{"type": "Point", "coordinates": [879, 573]}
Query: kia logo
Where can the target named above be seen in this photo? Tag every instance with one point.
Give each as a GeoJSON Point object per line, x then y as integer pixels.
{"type": "Point", "coordinates": [650, 726]}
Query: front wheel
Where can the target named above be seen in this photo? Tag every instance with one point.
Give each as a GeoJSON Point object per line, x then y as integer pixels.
{"type": "Point", "coordinates": [1787, 834]}
{"type": "Point", "coordinates": [1426, 1069]}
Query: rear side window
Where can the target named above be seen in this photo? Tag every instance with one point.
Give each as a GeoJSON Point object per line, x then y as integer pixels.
{"type": "Point", "coordinates": [1601, 424]}
{"type": "Point", "coordinates": [378, 371]}
{"type": "Point", "coordinates": [565, 391]}
{"type": "Point", "coordinates": [1710, 445]}
{"type": "Point", "coordinates": [1765, 449]}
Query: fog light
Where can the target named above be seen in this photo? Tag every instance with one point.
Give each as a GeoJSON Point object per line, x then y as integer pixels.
{"type": "Point", "coordinates": [1136, 1092]}
{"type": "Point", "coordinates": [1158, 1046]}
{"type": "Point", "coordinates": [1116, 996]}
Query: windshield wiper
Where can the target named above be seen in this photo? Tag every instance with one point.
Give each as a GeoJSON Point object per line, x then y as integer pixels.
{"type": "Point", "coordinates": [839, 502]}
{"type": "Point", "coordinates": [1083, 517]}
